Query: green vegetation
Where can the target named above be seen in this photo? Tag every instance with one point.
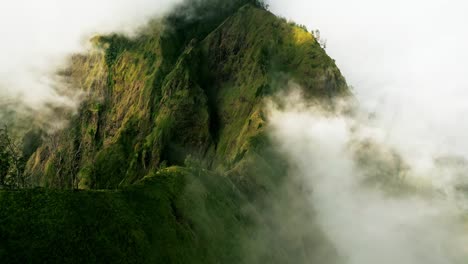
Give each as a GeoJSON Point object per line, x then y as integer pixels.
{"type": "Point", "coordinates": [194, 89]}
{"type": "Point", "coordinates": [12, 160]}
{"type": "Point", "coordinates": [161, 219]}
{"type": "Point", "coordinates": [168, 158]}
{"type": "Point", "coordinates": [178, 215]}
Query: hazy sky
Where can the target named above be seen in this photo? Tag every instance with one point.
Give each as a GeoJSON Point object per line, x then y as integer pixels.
{"type": "Point", "coordinates": [407, 63]}
{"type": "Point", "coordinates": [406, 60]}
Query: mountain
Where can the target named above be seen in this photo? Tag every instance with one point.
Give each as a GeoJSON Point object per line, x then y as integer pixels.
{"type": "Point", "coordinates": [168, 158]}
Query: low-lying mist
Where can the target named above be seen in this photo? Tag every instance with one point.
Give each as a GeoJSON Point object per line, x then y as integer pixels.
{"type": "Point", "coordinates": [374, 206]}
{"type": "Point", "coordinates": [389, 184]}
{"type": "Point", "coordinates": [406, 61]}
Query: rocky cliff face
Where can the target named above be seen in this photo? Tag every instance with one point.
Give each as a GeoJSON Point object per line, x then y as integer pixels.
{"type": "Point", "coordinates": [170, 147]}
{"type": "Point", "coordinates": [158, 98]}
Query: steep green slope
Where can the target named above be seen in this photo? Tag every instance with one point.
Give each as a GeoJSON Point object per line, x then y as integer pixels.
{"type": "Point", "coordinates": [253, 55]}
{"type": "Point", "coordinates": [170, 217]}
{"type": "Point", "coordinates": [146, 108]}
{"type": "Point", "coordinates": [170, 148]}
{"type": "Point", "coordinates": [178, 215]}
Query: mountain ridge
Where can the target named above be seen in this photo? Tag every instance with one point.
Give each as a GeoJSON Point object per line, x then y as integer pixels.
{"type": "Point", "coordinates": [168, 158]}
{"type": "Point", "coordinates": [180, 102]}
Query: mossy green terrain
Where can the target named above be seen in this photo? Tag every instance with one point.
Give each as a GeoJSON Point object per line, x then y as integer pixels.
{"type": "Point", "coordinates": [174, 216]}
{"type": "Point", "coordinates": [147, 108]}
{"type": "Point", "coordinates": [168, 158]}
{"type": "Point", "coordinates": [177, 215]}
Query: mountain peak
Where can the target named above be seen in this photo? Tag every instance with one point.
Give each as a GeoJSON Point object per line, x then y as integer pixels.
{"type": "Point", "coordinates": [173, 130]}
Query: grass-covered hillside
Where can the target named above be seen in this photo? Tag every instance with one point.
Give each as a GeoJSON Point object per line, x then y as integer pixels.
{"type": "Point", "coordinates": [168, 159]}
{"type": "Point", "coordinates": [177, 215]}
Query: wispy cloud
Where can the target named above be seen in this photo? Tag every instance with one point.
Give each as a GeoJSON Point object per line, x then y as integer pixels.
{"type": "Point", "coordinates": [406, 61]}
{"type": "Point", "coordinates": [37, 37]}
{"type": "Point", "coordinates": [373, 206]}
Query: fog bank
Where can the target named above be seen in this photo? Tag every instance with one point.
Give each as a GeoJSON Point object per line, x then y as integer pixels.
{"type": "Point", "coordinates": [372, 209]}
{"type": "Point", "coordinates": [406, 61]}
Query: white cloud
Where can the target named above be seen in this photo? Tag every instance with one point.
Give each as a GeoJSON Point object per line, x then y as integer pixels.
{"type": "Point", "coordinates": [38, 35]}
{"type": "Point", "coordinates": [407, 62]}
{"type": "Point", "coordinates": [366, 223]}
